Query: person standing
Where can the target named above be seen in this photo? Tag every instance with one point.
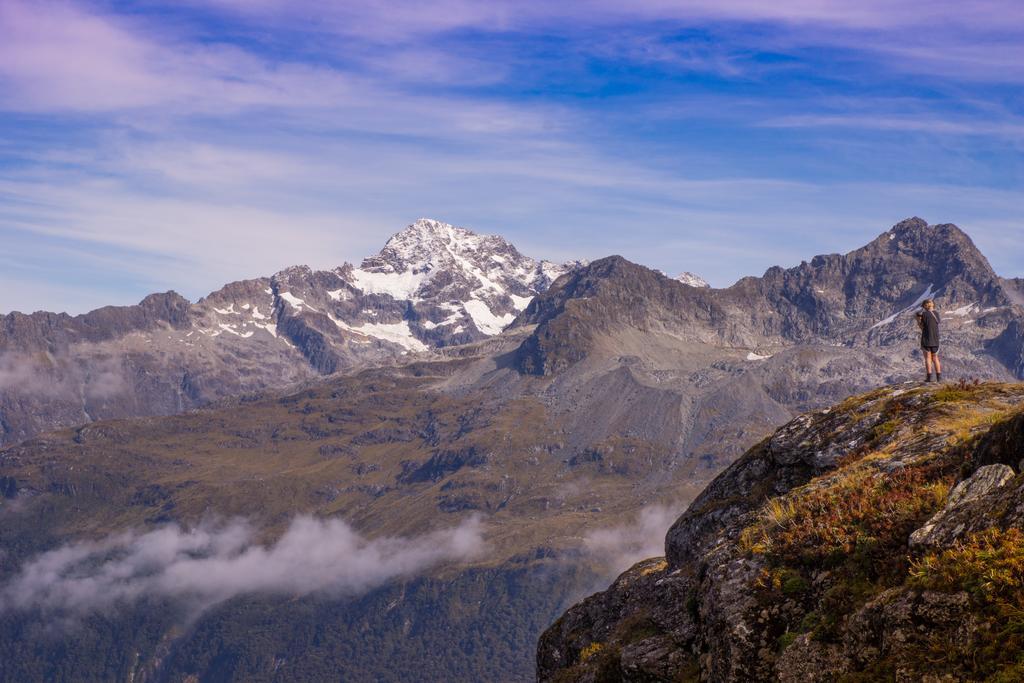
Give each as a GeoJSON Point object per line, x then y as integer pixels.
{"type": "Point", "coordinates": [928, 321]}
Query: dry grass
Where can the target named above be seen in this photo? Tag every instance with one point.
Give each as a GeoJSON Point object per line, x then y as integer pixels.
{"type": "Point", "coordinates": [590, 650]}
{"type": "Point", "coordinates": [654, 568]}
{"type": "Point", "coordinates": [989, 564]}
{"type": "Point", "coordinates": [859, 505]}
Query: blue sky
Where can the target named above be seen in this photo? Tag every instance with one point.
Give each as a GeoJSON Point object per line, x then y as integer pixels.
{"type": "Point", "coordinates": [150, 146]}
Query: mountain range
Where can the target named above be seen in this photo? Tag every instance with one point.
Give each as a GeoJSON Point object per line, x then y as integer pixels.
{"type": "Point", "coordinates": [596, 399]}
{"type": "Point", "coordinates": [432, 285]}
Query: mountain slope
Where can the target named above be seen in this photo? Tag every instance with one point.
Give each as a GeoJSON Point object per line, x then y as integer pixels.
{"type": "Point", "coordinates": [875, 540]}
{"type": "Point", "coordinates": [861, 299]}
{"type": "Point", "coordinates": [382, 449]}
{"type": "Point", "coordinates": [432, 285]}
{"type": "Point", "coordinates": [645, 388]}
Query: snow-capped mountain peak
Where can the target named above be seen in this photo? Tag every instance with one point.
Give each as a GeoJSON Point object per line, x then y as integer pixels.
{"type": "Point", "coordinates": [475, 280]}
{"type": "Point", "coordinates": [428, 240]}
{"type": "Point", "coordinates": [692, 279]}
{"type": "Point", "coordinates": [433, 284]}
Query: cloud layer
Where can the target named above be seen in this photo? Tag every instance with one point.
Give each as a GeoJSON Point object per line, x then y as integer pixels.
{"type": "Point", "coordinates": [184, 145]}
{"type": "Point", "coordinates": [209, 564]}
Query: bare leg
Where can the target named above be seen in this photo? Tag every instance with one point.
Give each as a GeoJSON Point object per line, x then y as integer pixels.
{"type": "Point", "coordinates": [937, 363]}
{"type": "Point", "coordinates": [927, 362]}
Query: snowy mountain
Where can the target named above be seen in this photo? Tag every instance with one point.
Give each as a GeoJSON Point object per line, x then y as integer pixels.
{"type": "Point", "coordinates": [432, 285]}
{"type": "Point", "coordinates": [480, 281]}
{"type": "Point", "coordinates": [692, 279]}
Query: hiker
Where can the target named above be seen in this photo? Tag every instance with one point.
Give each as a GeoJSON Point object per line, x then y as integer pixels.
{"type": "Point", "coordinates": [928, 321]}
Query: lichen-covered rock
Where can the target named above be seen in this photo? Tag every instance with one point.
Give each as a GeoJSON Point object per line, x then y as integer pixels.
{"type": "Point", "coordinates": [943, 528]}
{"type": "Point", "coordinates": [644, 612]}
{"type": "Point", "coordinates": [877, 540]}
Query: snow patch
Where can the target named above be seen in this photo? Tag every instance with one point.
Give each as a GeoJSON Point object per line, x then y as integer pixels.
{"type": "Point", "coordinates": [450, 320]}
{"type": "Point", "coordinates": [964, 310]}
{"type": "Point", "coordinates": [295, 301]}
{"type": "Point", "coordinates": [927, 294]}
{"type": "Point", "coordinates": [232, 330]}
{"type": "Point", "coordinates": [520, 302]}
{"type": "Point", "coordinates": [396, 285]}
{"type": "Point", "coordinates": [756, 356]}
{"type": "Point", "coordinates": [396, 333]}
{"type": "Point", "coordinates": [552, 271]}
{"type": "Point", "coordinates": [341, 294]}
{"type": "Point", "coordinates": [692, 279]}
{"type": "Point", "coordinates": [269, 327]}
{"type": "Point", "coordinates": [485, 320]}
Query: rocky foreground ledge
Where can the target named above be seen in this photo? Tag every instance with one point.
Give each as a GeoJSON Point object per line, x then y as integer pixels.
{"type": "Point", "coordinates": [881, 539]}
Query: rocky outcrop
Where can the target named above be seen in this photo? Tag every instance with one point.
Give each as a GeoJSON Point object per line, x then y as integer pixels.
{"type": "Point", "coordinates": [944, 528]}
{"type": "Point", "coordinates": [877, 540]}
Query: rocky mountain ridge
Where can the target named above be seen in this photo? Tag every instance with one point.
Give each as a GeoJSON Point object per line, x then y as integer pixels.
{"type": "Point", "coordinates": [875, 540]}
{"type": "Point", "coordinates": [861, 299]}
{"type": "Point", "coordinates": [432, 285]}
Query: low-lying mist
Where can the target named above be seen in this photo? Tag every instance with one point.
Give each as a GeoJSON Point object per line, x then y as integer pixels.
{"type": "Point", "coordinates": [620, 547]}
{"type": "Point", "coordinates": [211, 563]}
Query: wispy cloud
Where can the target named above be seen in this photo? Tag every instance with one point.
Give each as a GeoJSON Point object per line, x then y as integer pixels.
{"type": "Point", "coordinates": [1009, 130]}
{"type": "Point", "coordinates": [59, 56]}
{"type": "Point", "coordinates": [29, 375]}
{"type": "Point", "coordinates": [212, 141]}
{"type": "Point", "coordinates": [620, 547]}
{"type": "Point", "coordinates": [207, 565]}
{"type": "Point", "coordinates": [405, 16]}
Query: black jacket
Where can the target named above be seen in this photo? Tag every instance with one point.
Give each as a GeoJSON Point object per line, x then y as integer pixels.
{"type": "Point", "coordinates": [929, 328]}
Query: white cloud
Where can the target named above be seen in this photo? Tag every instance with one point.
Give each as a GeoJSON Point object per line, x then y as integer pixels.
{"type": "Point", "coordinates": [620, 547]}
{"type": "Point", "coordinates": [170, 161]}
{"type": "Point", "coordinates": [206, 565]}
{"type": "Point", "coordinates": [59, 56]}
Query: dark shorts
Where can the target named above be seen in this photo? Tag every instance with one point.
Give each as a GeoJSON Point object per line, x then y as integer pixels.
{"type": "Point", "coordinates": [930, 349]}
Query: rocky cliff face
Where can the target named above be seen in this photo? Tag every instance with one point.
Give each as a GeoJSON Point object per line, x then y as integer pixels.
{"type": "Point", "coordinates": [863, 299]}
{"type": "Point", "coordinates": [875, 540]}
{"type": "Point", "coordinates": [432, 285]}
